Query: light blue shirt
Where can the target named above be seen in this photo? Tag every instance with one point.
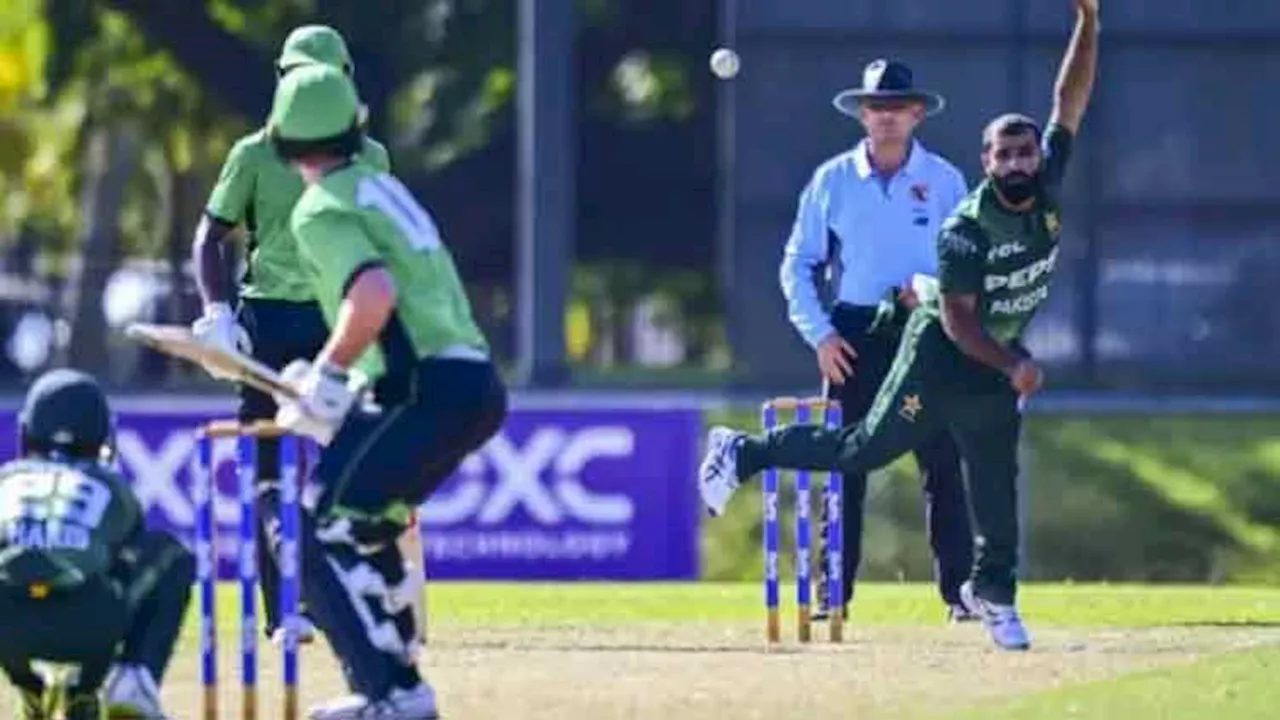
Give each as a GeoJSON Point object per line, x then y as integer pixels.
{"type": "Point", "coordinates": [886, 231]}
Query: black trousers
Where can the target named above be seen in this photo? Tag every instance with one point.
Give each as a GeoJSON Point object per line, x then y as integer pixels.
{"type": "Point", "coordinates": [946, 508]}
{"type": "Point", "coordinates": [280, 332]}
{"type": "Point", "coordinates": [132, 615]}
{"type": "Point", "coordinates": [376, 468]}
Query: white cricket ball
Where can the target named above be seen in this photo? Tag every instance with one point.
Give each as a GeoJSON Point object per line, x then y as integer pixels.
{"type": "Point", "coordinates": [724, 63]}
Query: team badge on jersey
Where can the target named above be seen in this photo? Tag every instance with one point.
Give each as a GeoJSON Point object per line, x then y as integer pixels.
{"type": "Point", "coordinates": [1052, 223]}
{"type": "Point", "coordinates": [920, 192]}
{"type": "Point", "coordinates": [911, 407]}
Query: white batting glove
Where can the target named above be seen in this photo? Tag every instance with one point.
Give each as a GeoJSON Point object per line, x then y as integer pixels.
{"type": "Point", "coordinates": [324, 399]}
{"type": "Point", "coordinates": [218, 329]}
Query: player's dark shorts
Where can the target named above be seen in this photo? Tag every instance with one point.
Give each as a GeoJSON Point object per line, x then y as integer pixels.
{"type": "Point", "coordinates": [280, 332]}
{"type": "Point", "coordinates": [140, 603]}
{"type": "Point", "coordinates": [405, 452]}
{"type": "Point", "coordinates": [76, 625]}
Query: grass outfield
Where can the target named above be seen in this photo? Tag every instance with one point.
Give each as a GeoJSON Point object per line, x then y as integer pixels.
{"type": "Point", "coordinates": [601, 650]}
{"type": "Point", "coordinates": [1235, 686]}
{"type": "Point", "coordinates": [878, 604]}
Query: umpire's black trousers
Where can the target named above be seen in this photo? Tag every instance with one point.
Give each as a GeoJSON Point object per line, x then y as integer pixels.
{"type": "Point", "coordinates": [946, 508]}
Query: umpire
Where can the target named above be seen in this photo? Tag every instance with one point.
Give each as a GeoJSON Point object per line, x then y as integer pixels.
{"type": "Point", "coordinates": [867, 221]}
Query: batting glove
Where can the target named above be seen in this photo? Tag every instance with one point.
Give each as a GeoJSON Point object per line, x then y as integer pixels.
{"type": "Point", "coordinates": [324, 399]}
{"type": "Point", "coordinates": [218, 329]}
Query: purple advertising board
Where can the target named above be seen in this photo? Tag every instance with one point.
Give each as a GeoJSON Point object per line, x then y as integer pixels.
{"type": "Point", "coordinates": [590, 494]}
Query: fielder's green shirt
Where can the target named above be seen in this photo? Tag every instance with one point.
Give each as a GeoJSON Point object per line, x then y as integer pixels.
{"type": "Point", "coordinates": [1006, 258]}
{"type": "Point", "coordinates": [359, 216]}
{"type": "Point", "coordinates": [61, 523]}
{"type": "Point", "coordinates": [258, 189]}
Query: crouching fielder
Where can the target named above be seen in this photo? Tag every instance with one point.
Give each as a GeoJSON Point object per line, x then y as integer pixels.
{"type": "Point", "coordinates": [82, 584]}
{"type": "Point", "coordinates": [399, 319]}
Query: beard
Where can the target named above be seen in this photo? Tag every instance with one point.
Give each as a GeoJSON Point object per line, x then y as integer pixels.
{"type": "Point", "coordinates": [1017, 187]}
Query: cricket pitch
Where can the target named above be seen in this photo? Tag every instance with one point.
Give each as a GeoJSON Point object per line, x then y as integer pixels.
{"type": "Point", "coordinates": [491, 664]}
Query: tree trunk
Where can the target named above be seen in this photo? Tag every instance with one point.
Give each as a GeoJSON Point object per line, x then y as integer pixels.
{"type": "Point", "coordinates": [111, 156]}
{"type": "Point", "coordinates": [185, 189]}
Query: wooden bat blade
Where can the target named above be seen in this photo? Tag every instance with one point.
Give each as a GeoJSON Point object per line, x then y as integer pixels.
{"type": "Point", "coordinates": [177, 341]}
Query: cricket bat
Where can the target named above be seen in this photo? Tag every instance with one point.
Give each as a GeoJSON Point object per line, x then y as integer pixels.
{"type": "Point", "coordinates": [177, 341]}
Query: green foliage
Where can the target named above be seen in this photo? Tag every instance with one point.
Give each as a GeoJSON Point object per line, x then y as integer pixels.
{"type": "Point", "coordinates": [649, 86]}
{"type": "Point", "coordinates": [449, 66]}
{"type": "Point", "coordinates": [129, 80]}
{"type": "Point", "coordinates": [459, 84]}
{"type": "Point", "coordinates": [29, 152]}
{"type": "Point", "coordinates": [113, 77]}
{"type": "Point", "coordinates": [440, 78]}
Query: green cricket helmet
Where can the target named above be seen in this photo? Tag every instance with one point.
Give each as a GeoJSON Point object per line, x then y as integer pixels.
{"type": "Point", "coordinates": [315, 112]}
{"type": "Point", "coordinates": [66, 412]}
{"type": "Point", "coordinates": [314, 45]}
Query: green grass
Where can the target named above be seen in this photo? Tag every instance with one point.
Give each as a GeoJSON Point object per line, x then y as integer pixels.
{"type": "Point", "coordinates": [1235, 686]}
{"type": "Point", "coordinates": [1048, 605]}
{"type": "Point", "coordinates": [1205, 683]}
{"type": "Point", "coordinates": [877, 604]}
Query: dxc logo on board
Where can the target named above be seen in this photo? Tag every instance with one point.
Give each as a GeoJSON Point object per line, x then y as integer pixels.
{"type": "Point", "coordinates": [162, 474]}
{"type": "Point", "coordinates": [518, 480]}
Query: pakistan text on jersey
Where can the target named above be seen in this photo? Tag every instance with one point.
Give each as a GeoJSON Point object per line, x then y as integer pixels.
{"type": "Point", "coordinates": [46, 536]}
{"type": "Point", "coordinates": [1021, 304]}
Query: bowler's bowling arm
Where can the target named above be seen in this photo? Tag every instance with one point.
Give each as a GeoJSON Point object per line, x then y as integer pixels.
{"type": "Point", "coordinates": [1074, 86]}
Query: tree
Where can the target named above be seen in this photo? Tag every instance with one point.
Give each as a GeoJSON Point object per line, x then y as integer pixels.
{"type": "Point", "coordinates": [438, 77]}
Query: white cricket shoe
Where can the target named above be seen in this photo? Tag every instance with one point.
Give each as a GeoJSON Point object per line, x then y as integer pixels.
{"type": "Point", "coordinates": [131, 691]}
{"type": "Point", "coordinates": [306, 632]}
{"type": "Point", "coordinates": [718, 474]}
{"type": "Point", "coordinates": [400, 704]}
{"type": "Point", "coordinates": [1002, 621]}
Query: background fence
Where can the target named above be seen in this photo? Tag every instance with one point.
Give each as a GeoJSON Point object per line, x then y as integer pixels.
{"type": "Point", "coordinates": [1171, 214]}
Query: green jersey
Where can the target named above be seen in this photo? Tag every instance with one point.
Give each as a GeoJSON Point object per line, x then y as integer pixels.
{"type": "Point", "coordinates": [62, 522]}
{"type": "Point", "coordinates": [358, 217]}
{"type": "Point", "coordinates": [1006, 258]}
{"type": "Point", "coordinates": [258, 189]}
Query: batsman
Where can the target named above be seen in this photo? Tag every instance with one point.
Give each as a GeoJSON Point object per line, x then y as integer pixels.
{"type": "Point", "coordinates": [82, 583]}
{"type": "Point", "coordinates": [961, 364]}
{"type": "Point", "coordinates": [400, 327]}
{"type": "Point", "coordinates": [274, 315]}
